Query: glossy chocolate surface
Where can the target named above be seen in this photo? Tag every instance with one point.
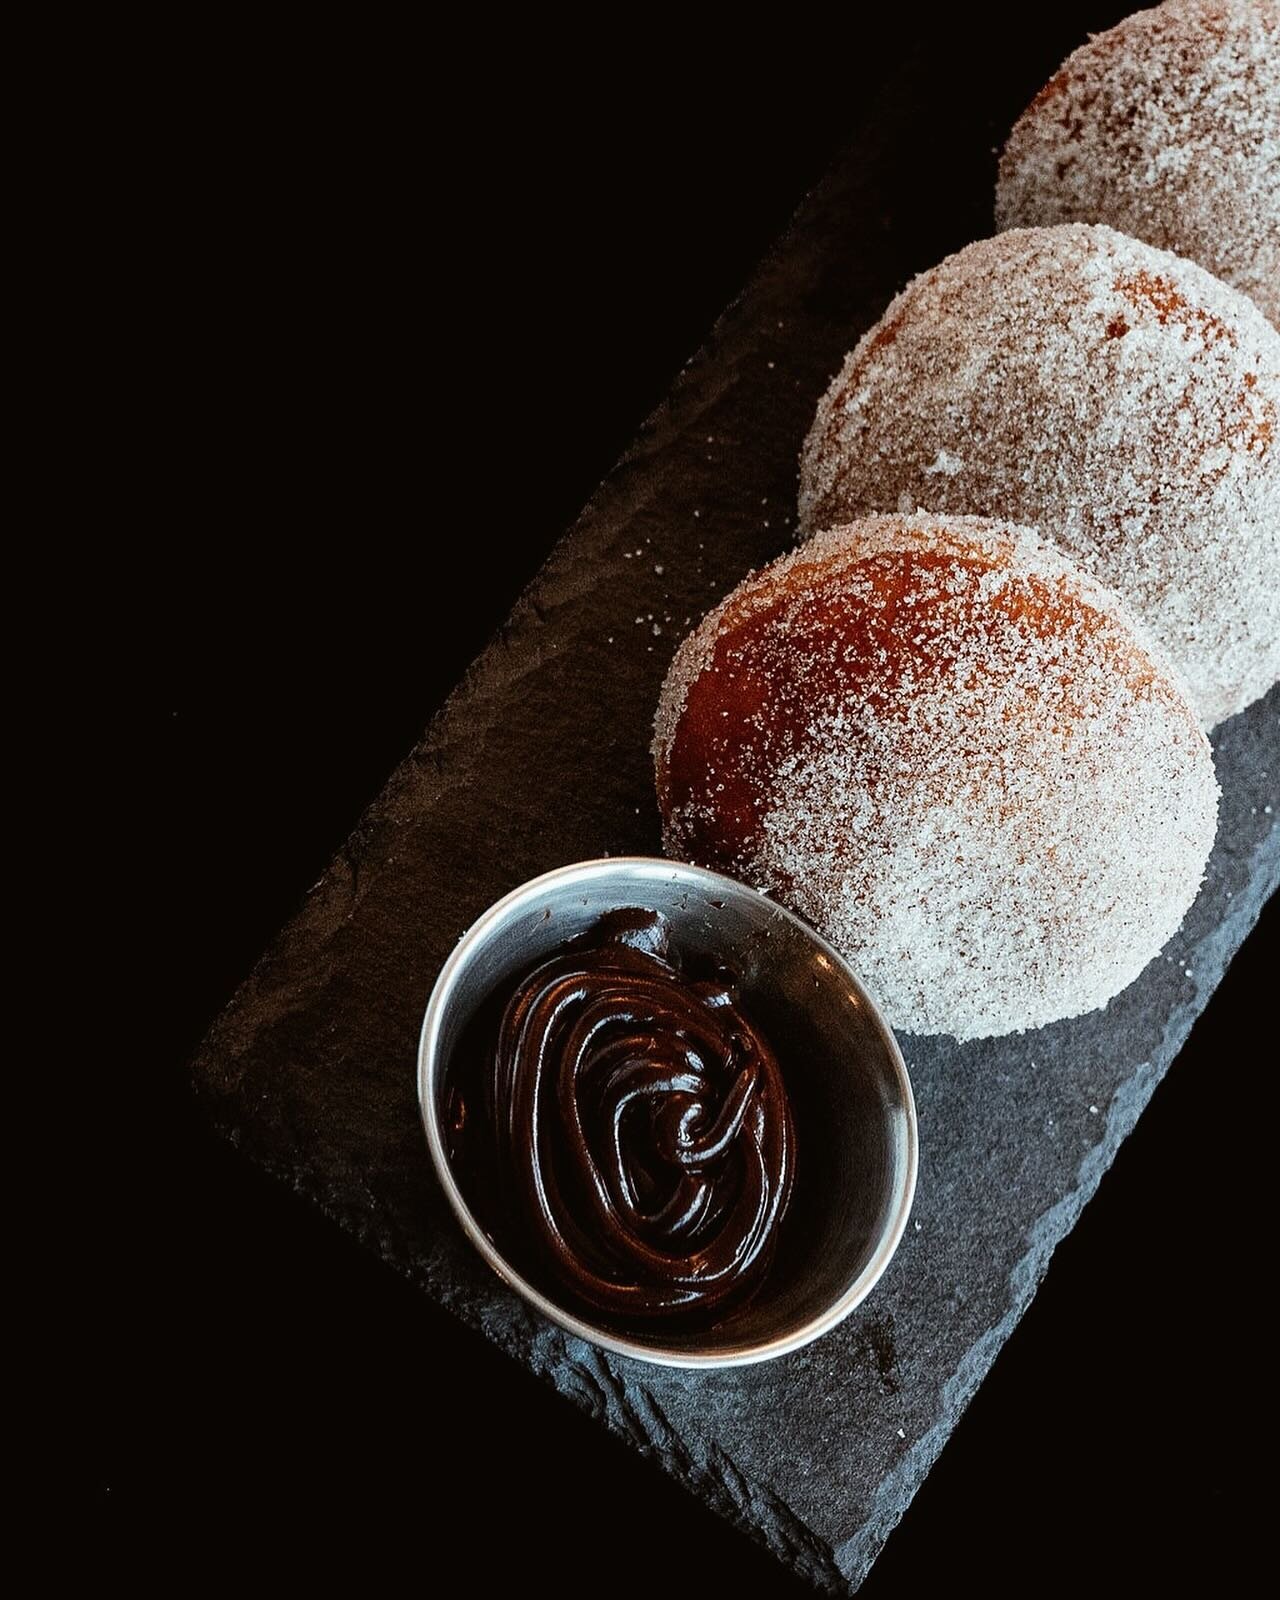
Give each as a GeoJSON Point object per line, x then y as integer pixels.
{"type": "Point", "coordinates": [622, 1129]}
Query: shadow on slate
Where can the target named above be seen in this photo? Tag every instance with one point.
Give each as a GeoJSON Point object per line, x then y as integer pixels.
{"type": "Point", "coordinates": [541, 757]}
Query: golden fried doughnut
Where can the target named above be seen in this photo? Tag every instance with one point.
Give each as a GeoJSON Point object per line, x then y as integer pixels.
{"type": "Point", "coordinates": [1166, 127]}
{"type": "Point", "coordinates": [1113, 396]}
{"type": "Point", "coordinates": [952, 751]}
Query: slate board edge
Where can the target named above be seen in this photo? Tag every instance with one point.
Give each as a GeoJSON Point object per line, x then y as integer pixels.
{"type": "Point", "coordinates": [554, 583]}
{"type": "Point", "coordinates": [716, 1481]}
{"type": "Point", "coordinates": [855, 1558]}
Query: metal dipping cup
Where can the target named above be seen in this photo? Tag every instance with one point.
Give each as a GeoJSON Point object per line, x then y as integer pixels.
{"type": "Point", "coordinates": [856, 1141]}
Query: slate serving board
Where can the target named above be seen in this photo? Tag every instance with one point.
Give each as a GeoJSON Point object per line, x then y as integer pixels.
{"type": "Point", "coordinates": [541, 757]}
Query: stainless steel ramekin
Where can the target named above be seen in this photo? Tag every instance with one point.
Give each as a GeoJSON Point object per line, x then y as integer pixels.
{"type": "Point", "coordinates": [855, 1116]}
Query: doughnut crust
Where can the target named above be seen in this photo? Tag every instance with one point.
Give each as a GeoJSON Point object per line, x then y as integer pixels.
{"type": "Point", "coordinates": [1112, 395]}
{"type": "Point", "coordinates": [952, 752]}
{"type": "Point", "coordinates": [1167, 127]}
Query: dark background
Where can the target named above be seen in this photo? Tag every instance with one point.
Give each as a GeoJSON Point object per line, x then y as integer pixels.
{"type": "Point", "coordinates": [410, 305]}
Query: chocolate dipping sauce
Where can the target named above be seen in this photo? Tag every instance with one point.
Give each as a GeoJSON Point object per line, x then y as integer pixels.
{"type": "Point", "coordinates": [622, 1132]}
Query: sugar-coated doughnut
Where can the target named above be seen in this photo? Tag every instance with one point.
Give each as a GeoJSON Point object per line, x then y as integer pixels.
{"type": "Point", "coordinates": [1114, 396]}
{"type": "Point", "coordinates": [953, 752]}
{"type": "Point", "coordinates": [1168, 128]}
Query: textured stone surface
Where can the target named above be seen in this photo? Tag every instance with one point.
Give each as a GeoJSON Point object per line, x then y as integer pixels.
{"type": "Point", "coordinates": [541, 757]}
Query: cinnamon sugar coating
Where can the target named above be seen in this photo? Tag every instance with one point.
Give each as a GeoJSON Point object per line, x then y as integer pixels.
{"type": "Point", "coordinates": [1167, 127]}
{"type": "Point", "coordinates": [1114, 396]}
{"type": "Point", "coordinates": [952, 752]}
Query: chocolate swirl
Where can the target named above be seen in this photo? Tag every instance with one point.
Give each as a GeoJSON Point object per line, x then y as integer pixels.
{"type": "Point", "coordinates": [641, 1128]}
